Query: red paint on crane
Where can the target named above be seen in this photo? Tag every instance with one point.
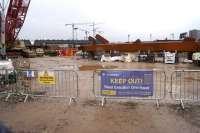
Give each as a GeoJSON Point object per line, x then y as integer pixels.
{"type": "Point", "coordinates": [15, 18]}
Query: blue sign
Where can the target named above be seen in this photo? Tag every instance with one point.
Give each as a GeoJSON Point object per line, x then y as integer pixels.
{"type": "Point", "coordinates": [30, 74]}
{"type": "Point", "coordinates": [127, 83]}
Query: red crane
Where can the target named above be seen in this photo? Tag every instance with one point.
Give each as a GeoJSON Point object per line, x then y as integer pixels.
{"type": "Point", "coordinates": [15, 18]}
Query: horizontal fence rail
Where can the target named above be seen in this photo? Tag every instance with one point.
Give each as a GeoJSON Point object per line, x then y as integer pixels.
{"type": "Point", "coordinates": [158, 85]}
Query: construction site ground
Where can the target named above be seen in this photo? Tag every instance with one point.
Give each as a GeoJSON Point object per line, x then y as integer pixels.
{"type": "Point", "coordinates": [42, 115]}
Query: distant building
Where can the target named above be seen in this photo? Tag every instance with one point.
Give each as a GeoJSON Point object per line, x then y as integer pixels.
{"type": "Point", "coordinates": [195, 34]}
{"type": "Point", "coordinates": [60, 43]}
{"type": "Point", "coordinates": [27, 43]}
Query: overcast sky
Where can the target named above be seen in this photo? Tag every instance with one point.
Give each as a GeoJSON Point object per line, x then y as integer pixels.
{"type": "Point", "coordinates": [46, 19]}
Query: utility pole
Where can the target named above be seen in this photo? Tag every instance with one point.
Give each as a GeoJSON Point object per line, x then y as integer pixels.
{"type": "Point", "coordinates": [75, 27]}
{"type": "Point", "coordinates": [94, 28]}
{"type": "Point", "coordinates": [150, 36]}
{"type": "Point", "coordinates": [76, 36]}
{"type": "Point", "coordinates": [129, 38]}
{"type": "Point", "coordinates": [172, 34]}
{"type": "Point", "coordinates": [2, 43]}
{"type": "Point", "coordinates": [86, 33]}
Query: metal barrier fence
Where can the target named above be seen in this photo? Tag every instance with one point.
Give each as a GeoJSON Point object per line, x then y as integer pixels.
{"type": "Point", "coordinates": [7, 77]}
{"type": "Point", "coordinates": [185, 85]}
{"type": "Point", "coordinates": [158, 93]}
{"type": "Point", "coordinates": [66, 67]}
{"type": "Point", "coordinates": [42, 83]}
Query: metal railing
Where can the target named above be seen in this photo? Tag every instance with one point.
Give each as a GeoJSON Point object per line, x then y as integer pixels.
{"type": "Point", "coordinates": [159, 86]}
{"type": "Point", "coordinates": [7, 77]}
{"type": "Point", "coordinates": [185, 85]}
{"type": "Point", "coordinates": [44, 83]}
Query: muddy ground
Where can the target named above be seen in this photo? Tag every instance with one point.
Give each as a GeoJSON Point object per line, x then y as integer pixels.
{"type": "Point", "coordinates": [41, 115]}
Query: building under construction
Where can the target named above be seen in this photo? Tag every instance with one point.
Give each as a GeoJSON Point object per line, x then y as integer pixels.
{"type": "Point", "coordinates": [187, 44]}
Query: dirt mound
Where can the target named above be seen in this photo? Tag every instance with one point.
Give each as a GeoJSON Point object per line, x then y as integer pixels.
{"type": "Point", "coordinates": [95, 67]}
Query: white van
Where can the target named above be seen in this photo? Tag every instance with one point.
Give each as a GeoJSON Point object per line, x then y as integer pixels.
{"type": "Point", "coordinates": [170, 58]}
{"type": "Point", "coordinates": [196, 58]}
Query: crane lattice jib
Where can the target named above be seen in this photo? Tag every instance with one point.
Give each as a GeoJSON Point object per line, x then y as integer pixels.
{"type": "Point", "coordinates": [15, 18]}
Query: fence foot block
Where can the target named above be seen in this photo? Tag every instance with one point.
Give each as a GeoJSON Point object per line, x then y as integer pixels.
{"type": "Point", "coordinates": [72, 99]}
{"type": "Point", "coordinates": [157, 103]}
{"type": "Point", "coordinates": [9, 94]}
{"type": "Point", "coordinates": [182, 104]}
{"type": "Point", "coordinates": [26, 98]}
{"type": "Point", "coordinates": [103, 100]}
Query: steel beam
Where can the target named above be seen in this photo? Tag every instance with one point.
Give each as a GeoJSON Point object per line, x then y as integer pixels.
{"type": "Point", "coordinates": [179, 46]}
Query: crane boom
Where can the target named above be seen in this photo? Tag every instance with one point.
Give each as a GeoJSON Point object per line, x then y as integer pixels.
{"type": "Point", "coordinates": [15, 18]}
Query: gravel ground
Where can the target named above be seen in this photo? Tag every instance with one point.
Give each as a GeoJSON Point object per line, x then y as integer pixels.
{"type": "Point", "coordinates": [86, 115]}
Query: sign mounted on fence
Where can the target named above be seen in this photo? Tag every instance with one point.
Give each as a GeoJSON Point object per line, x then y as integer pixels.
{"type": "Point", "coordinates": [46, 77]}
{"type": "Point", "coordinates": [127, 83]}
{"type": "Point", "coordinates": [30, 74]}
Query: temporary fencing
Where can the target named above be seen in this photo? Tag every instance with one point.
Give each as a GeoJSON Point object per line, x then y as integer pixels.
{"type": "Point", "coordinates": [41, 83]}
{"type": "Point", "coordinates": [129, 84]}
{"type": "Point", "coordinates": [7, 77]}
{"type": "Point", "coordinates": [185, 85]}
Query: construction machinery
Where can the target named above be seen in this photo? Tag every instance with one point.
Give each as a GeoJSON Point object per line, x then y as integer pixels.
{"type": "Point", "coordinates": [12, 20]}
{"type": "Point", "coordinates": [196, 58]}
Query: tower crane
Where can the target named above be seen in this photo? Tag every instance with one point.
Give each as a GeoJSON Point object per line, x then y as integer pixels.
{"type": "Point", "coordinates": [75, 28]}
{"type": "Point", "coordinates": [86, 33]}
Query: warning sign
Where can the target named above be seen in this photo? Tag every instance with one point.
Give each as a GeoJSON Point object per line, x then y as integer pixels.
{"type": "Point", "coordinates": [46, 77]}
